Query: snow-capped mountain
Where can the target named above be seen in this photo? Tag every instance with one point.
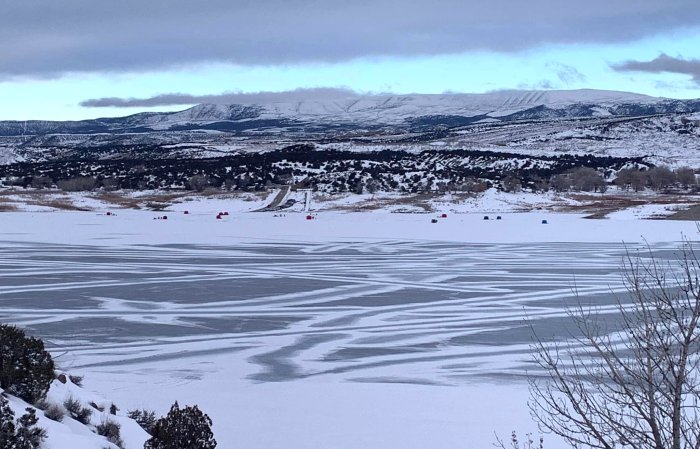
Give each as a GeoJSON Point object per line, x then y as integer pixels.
{"type": "Point", "coordinates": [370, 112]}
{"type": "Point", "coordinates": [533, 122]}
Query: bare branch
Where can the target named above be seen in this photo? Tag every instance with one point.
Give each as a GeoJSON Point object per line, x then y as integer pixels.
{"type": "Point", "coordinates": [637, 386]}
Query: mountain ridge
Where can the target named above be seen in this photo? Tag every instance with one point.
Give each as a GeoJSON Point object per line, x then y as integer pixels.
{"type": "Point", "coordinates": [367, 112]}
{"type": "Point", "coordinates": [534, 122]}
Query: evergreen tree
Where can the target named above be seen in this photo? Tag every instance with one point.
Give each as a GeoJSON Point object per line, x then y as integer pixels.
{"type": "Point", "coordinates": [145, 418]}
{"type": "Point", "coordinates": [26, 368]}
{"type": "Point", "coordinates": [23, 434]}
{"type": "Point", "coordinates": [29, 436]}
{"type": "Point", "coordinates": [7, 425]}
{"type": "Point", "coordinates": [186, 428]}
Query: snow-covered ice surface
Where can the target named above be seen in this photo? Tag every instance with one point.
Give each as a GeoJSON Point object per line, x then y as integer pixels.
{"type": "Point", "coordinates": [130, 227]}
{"type": "Point", "coordinates": [363, 330]}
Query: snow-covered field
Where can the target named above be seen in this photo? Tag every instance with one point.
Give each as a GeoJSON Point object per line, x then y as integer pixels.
{"type": "Point", "coordinates": [614, 204]}
{"type": "Point", "coordinates": [351, 330]}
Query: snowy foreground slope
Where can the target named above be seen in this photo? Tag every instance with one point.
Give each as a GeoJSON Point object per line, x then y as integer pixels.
{"type": "Point", "coordinates": [364, 330]}
{"type": "Point", "coordinates": [71, 434]}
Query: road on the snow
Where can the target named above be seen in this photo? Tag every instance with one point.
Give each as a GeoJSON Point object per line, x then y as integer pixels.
{"type": "Point", "coordinates": [277, 200]}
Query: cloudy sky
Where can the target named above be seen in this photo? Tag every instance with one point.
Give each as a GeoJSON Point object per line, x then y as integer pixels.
{"type": "Point", "coordinates": [73, 59]}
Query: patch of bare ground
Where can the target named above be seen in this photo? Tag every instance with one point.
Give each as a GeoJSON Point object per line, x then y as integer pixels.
{"type": "Point", "coordinates": [691, 214]}
{"type": "Point", "coordinates": [463, 196]}
{"type": "Point", "coordinates": [159, 201]}
{"type": "Point", "coordinates": [54, 203]}
{"type": "Point", "coordinates": [7, 207]}
{"type": "Point", "coordinates": [118, 200]}
{"type": "Point", "coordinates": [420, 201]}
{"type": "Point", "coordinates": [59, 204]}
{"type": "Point", "coordinates": [42, 198]}
{"type": "Point", "coordinates": [153, 201]}
{"type": "Point", "coordinates": [211, 191]}
{"type": "Point", "coordinates": [598, 207]}
{"type": "Point", "coordinates": [29, 193]}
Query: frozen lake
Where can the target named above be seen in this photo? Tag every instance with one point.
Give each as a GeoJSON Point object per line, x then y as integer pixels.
{"type": "Point", "coordinates": [372, 312]}
{"type": "Point", "coordinates": [313, 342]}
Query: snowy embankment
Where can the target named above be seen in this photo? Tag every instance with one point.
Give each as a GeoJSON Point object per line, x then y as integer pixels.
{"type": "Point", "coordinates": [56, 200]}
{"type": "Point", "coordinates": [69, 433]}
{"type": "Point", "coordinates": [616, 203]}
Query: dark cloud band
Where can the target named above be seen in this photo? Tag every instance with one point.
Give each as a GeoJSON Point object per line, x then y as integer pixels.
{"type": "Point", "coordinates": [177, 99]}
{"type": "Point", "coordinates": [663, 64]}
{"type": "Point", "coordinates": [41, 38]}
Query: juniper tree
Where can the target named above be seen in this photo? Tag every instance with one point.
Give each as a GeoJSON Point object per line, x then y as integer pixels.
{"type": "Point", "coordinates": [21, 434]}
{"type": "Point", "coordinates": [144, 418]}
{"type": "Point", "coordinates": [7, 424]}
{"type": "Point", "coordinates": [29, 435]}
{"type": "Point", "coordinates": [26, 368]}
{"type": "Point", "coordinates": [186, 428]}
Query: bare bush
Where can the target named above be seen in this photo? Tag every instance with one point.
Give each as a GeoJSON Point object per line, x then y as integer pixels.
{"type": "Point", "coordinates": [560, 183]}
{"type": "Point", "coordinates": [111, 431]}
{"type": "Point", "coordinates": [638, 387]}
{"type": "Point", "coordinates": [511, 184]}
{"type": "Point", "coordinates": [586, 179]}
{"type": "Point", "coordinates": [631, 178]}
{"type": "Point", "coordinates": [583, 179]}
{"type": "Point", "coordinates": [79, 184]}
{"type": "Point", "coordinates": [76, 380]}
{"type": "Point", "coordinates": [77, 411]}
{"type": "Point", "coordinates": [686, 177]}
{"type": "Point", "coordinates": [41, 182]}
{"type": "Point", "coordinates": [515, 443]}
{"type": "Point", "coordinates": [661, 178]}
{"type": "Point", "coordinates": [198, 182]}
{"type": "Point", "coordinates": [110, 184]}
{"type": "Point", "coordinates": [54, 412]}
{"type": "Point", "coordinates": [471, 185]}
{"type": "Point", "coordinates": [14, 181]}
{"type": "Point", "coordinates": [624, 178]}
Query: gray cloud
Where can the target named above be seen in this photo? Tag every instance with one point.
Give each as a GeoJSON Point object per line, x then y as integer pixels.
{"type": "Point", "coordinates": [176, 99]}
{"type": "Point", "coordinates": [566, 73]}
{"type": "Point", "coordinates": [543, 84]}
{"type": "Point", "coordinates": [663, 64]}
{"type": "Point", "coordinates": [47, 38]}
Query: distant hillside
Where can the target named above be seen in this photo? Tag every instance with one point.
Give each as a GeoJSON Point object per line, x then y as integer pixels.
{"type": "Point", "coordinates": [370, 113]}
{"type": "Point", "coordinates": [603, 123]}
